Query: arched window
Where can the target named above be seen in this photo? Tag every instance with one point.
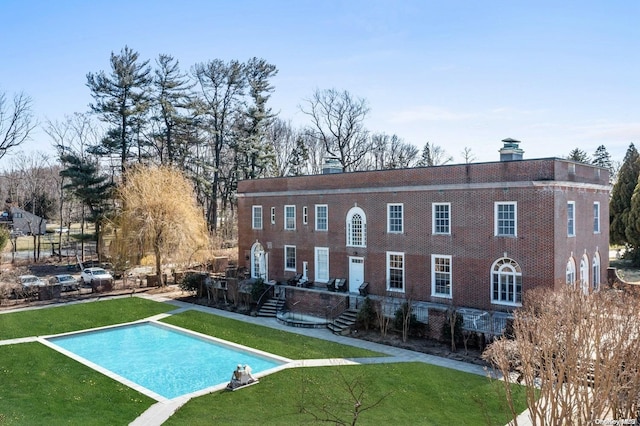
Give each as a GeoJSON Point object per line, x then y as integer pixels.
{"type": "Point", "coordinates": [571, 272]}
{"type": "Point", "coordinates": [356, 228]}
{"type": "Point", "coordinates": [595, 266]}
{"type": "Point", "coordinates": [584, 273]}
{"type": "Point", "coordinates": [506, 282]}
{"type": "Point", "coordinates": [258, 261]}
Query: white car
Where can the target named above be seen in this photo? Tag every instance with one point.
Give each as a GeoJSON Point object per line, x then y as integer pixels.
{"type": "Point", "coordinates": [91, 275]}
{"type": "Point", "coordinates": [30, 281]}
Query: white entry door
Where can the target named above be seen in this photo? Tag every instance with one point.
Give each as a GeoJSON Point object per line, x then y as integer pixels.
{"type": "Point", "coordinates": [356, 273]}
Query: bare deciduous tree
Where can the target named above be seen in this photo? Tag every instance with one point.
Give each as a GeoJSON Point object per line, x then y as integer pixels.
{"type": "Point", "coordinates": [160, 215]}
{"type": "Point", "coordinates": [16, 121]}
{"type": "Point", "coordinates": [338, 123]}
{"type": "Point", "coordinates": [340, 409]}
{"type": "Point", "coordinates": [577, 355]}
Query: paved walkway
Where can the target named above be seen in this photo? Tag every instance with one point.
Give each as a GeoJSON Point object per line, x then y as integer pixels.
{"type": "Point", "coordinates": [161, 411]}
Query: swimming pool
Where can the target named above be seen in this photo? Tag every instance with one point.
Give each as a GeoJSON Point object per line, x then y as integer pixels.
{"type": "Point", "coordinates": [166, 360]}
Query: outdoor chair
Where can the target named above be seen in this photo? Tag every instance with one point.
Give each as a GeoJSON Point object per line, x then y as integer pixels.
{"type": "Point", "coordinates": [294, 280]}
{"type": "Point", "coordinates": [331, 285]}
{"type": "Point", "coordinates": [341, 285]}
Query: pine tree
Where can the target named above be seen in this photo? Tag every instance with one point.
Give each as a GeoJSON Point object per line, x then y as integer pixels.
{"type": "Point", "coordinates": [578, 155]}
{"type": "Point", "coordinates": [121, 100]}
{"type": "Point", "coordinates": [602, 158]}
{"type": "Point", "coordinates": [92, 188]}
{"type": "Point", "coordinates": [621, 194]}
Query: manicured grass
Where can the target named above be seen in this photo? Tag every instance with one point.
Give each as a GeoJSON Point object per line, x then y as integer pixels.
{"type": "Point", "coordinates": [39, 386]}
{"type": "Point", "coordinates": [267, 339]}
{"type": "Point", "coordinates": [61, 319]}
{"type": "Point", "coordinates": [414, 394]}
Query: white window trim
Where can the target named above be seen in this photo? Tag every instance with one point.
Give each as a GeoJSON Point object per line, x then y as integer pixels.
{"type": "Point", "coordinates": [596, 217]}
{"type": "Point", "coordinates": [572, 218]}
{"type": "Point", "coordinates": [294, 217]}
{"type": "Point", "coordinates": [570, 276]}
{"type": "Point", "coordinates": [389, 205]}
{"type": "Point", "coordinates": [515, 275]}
{"type": "Point", "coordinates": [595, 267]}
{"type": "Point", "coordinates": [317, 269]}
{"type": "Point", "coordinates": [388, 269]}
{"type": "Point", "coordinates": [352, 212]}
{"type": "Point", "coordinates": [326, 209]}
{"type": "Point", "coordinates": [295, 254]}
{"type": "Point", "coordinates": [273, 215]}
{"type": "Point", "coordinates": [433, 276]}
{"type": "Point", "coordinates": [254, 216]}
{"type": "Point", "coordinates": [515, 218]}
{"type": "Point", "coordinates": [433, 218]}
{"type": "Point", "coordinates": [305, 215]}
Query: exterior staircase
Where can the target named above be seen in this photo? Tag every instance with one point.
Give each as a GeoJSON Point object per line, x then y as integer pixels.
{"type": "Point", "coordinates": [343, 324]}
{"type": "Point", "coordinates": [270, 308]}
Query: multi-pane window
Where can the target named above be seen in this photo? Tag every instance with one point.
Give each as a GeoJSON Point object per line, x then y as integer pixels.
{"type": "Point", "coordinates": [584, 274]}
{"type": "Point", "coordinates": [322, 264]}
{"type": "Point", "coordinates": [395, 218]}
{"type": "Point", "coordinates": [571, 272]}
{"type": "Point", "coordinates": [506, 219]}
{"type": "Point", "coordinates": [289, 217]}
{"type": "Point", "coordinates": [395, 271]}
{"type": "Point", "coordinates": [441, 213]}
{"type": "Point", "coordinates": [596, 217]}
{"type": "Point", "coordinates": [289, 258]}
{"type": "Point", "coordinates": [571, 218]}
{"type": "Point", "coordinates": [441, 275]}
{"type": "Point", "coordinates": [506, 282]}
{"type": "Point", "coordinates": [322, 217]}
{"type": "Point", "coordinates": [596, 271]}
{"type": "Point", "coordinates": [273, 215]}
{"type": "Point", "coordinates": [257, 217]}
{"type": "Point", "coordinates": [356, 228]}
{"type": "Point", "coordinates": [305, 215]}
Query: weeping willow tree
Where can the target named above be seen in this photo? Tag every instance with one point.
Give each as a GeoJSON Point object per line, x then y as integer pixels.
{"type": "Point", "coordinates": [159, 216]}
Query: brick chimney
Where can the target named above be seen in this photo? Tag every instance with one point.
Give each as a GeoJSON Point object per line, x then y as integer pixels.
{"type": "Point", "coordinates": [510, 151]}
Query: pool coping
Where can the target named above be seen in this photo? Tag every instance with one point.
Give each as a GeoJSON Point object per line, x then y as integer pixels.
{"type": "Point", "coordinates": [284, 362]}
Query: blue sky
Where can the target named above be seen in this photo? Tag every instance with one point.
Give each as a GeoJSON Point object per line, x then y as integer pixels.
{"type": "Point", "coordinates": [555, 75]}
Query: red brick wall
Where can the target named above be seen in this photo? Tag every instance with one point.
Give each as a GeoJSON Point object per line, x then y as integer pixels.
{"type": "Point", "coordinates": [541, 247]}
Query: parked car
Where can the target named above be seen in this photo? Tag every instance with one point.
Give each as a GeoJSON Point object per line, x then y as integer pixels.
{"type": "Point", "coordinates": [91, 275]}
{"type": "Point", "coordinates": [68, 282]}
{"type": "Point", "coordinates": [30, 281]}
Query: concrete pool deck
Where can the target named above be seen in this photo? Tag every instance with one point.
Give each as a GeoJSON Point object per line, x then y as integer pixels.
{"type": "Point", "coordinates": [159, 412]}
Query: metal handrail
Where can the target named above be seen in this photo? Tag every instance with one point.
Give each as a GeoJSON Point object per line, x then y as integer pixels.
{"type": "Point", "coordinates": [331, 310]}
{"type": "Point", "coordinates": [268, 290]}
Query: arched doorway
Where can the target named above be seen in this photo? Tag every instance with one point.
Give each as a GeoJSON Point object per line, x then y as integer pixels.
{"type": "Point", "coordinates": [258, 261]}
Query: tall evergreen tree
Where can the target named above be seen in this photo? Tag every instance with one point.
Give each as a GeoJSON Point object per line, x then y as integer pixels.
{"type": "Point", "coordinates": [602, 158]}
{"type": "Point", "coordinates": [254, 154]}
{"type": "Point", "coordinates": [433, 155]}
{"type": "Point", "coordinates": [620, 203]}
{"type": "Point", "coordinates": [121, 100]}
{"type": "Point", "coordinates": [578, 155]}
{"type": "Point", "coordinates": [632, 229]}
{"type": "Point", "coordinates": [92, 188]}
{"type": "Point", "coordinates": [170, 100]}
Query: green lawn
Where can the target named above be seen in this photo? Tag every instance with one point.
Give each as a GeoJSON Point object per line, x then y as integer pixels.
{"type": "Point", "coordinates": [40, 386]}
{"type": "Point", "coordinates": [410, 394]}
{"type": "Point", "coordinates": [288, 345]}
{"type": "Point", "coordinates": [61, 319]}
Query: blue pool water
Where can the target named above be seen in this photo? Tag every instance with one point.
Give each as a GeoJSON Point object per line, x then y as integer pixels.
{"type": "Point", "coordinates": [164, 360]}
